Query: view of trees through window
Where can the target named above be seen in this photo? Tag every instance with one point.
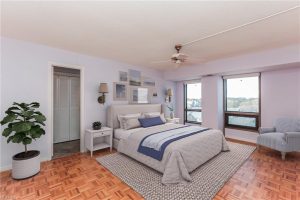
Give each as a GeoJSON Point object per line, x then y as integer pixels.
{"type": "Point", "coordinates": [242, 99]}
{"type": "Point", "coordinates": [193, 106]}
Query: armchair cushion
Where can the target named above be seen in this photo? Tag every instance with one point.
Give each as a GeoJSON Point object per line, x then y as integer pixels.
{"type": "Point", "coordinates": [287, 125]}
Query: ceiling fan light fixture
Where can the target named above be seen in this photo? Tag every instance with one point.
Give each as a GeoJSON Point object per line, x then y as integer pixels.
{"type": "Point", "coordinates": [178, 62]}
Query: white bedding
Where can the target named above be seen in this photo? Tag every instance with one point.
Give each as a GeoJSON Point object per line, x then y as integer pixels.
{"type": "Point", "coordinates": [181, 156]}
{"type": "Point", "coordinates": [124, 134]}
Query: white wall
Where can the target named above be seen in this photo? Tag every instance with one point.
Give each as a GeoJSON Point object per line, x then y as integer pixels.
{"type": "Point", "coordinates": [24, 78]}
{"type": "Point", "coordinates": [180, 101]}
{"type": "Point", "coordinates": [280, 95]}
{"type": "Point", "coordinates": [212, 102]}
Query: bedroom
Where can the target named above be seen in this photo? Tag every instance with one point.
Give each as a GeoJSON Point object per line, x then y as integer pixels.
{"type": "Point", "coordinates": [236, 73]}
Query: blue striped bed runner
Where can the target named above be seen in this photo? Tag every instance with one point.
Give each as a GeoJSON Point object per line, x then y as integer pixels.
{"type": "Point", "coordinates": [154, 145]}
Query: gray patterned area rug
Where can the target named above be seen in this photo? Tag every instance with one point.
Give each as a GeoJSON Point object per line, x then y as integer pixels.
{"type": "Point", "coordinates": [207, 180]}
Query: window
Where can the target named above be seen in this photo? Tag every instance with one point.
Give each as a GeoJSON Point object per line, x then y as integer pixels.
{"type": "Point", "coordinates": [242, 102]}
{"type": "Point", "coordinates": [192, 103]}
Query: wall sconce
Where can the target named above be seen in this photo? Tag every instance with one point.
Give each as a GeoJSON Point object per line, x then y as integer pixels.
{"type": "Point", "coordinates": [102, 89]}
{"type": "Point", "coordinates": [169, 94]}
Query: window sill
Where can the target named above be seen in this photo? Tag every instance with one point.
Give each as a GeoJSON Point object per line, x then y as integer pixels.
{"type": "Point", "coordinates": [193, 123]}
{"type": "Point", "coordinates": [242, 129]}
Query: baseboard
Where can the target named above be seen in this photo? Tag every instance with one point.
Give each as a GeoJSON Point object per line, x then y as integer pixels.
{"type": "Point", "coordinates": [240, 141]}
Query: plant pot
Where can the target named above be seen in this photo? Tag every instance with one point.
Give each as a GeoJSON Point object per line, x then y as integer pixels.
{"type": "Point", "coordinates": [25, 165]}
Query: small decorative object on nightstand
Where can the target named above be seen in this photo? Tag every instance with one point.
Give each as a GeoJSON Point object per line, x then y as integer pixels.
{"type": "Point", "coordinates": [103, 137]}
{"type": "Point", "coordinates": [173, 120]}
{"type": "Point", "coordinates": [97, 125]}
{"type": "Point", "coordinates": [171, 109]}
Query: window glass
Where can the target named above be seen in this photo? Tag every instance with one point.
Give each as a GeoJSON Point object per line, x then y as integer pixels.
{"type": "Point", "coordinates": [193, 104]}
{"type": "Point", "coordinates": [193, 116]}
{"type": "Point", "coordinates": [243, 94]}
{"type": "Point", "coordinates": [242, 102]}
{"type": "Point", "coordinates": [193, 96]}
{"type": "Point", "coordinates": [242, 121]}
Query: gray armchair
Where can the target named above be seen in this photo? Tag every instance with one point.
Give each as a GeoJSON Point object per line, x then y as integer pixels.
{"type": "Point", "coordinates": [284, 137]}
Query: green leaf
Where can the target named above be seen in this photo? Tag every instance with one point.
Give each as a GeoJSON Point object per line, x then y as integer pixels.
{"type": "Point", "coordinates": [21, 127]}
{"type": "Point", "coordinates": [34, 105]}
{"type": "Point", "coordinates": [9, 112]}
{"type": "Point", "coordinates": [40, 131]}
{"type": "Point", "coordinates": [27, 140]}
{"type": "Point", "coordinates": [24, 106]}
{"type": "Point", "coordinates": [10, 138]}
{"type": "Point", "coordinates": [39, 118]}
{"type": "Point", "coordinates": [40, 123]}
{"type": "Point", "coordinates": [13, 108]}
{"type": "Point", "coordinates": [28, 113]}
{"type": "Point", "coordinates": [7, 132]}
{"type": "Point", "coordinates": [8, 118]}
{"type": "Point", "coordinates": [18, 137]}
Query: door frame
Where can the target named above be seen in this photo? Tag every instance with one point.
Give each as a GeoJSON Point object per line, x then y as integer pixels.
{"type": "Point", "coordinates": [51, 102]}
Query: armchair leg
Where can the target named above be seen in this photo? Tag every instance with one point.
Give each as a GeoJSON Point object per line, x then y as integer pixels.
{"type": "Point", "coordinates": [258, 147]}
{"type": "Point", "coordinates": [283, 155]}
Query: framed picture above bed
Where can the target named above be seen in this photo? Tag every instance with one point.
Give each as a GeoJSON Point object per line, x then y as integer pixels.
{"type": "Point", "coordinates": [135, 78]}
{"type": "Point", "coordinates": [139, 95]}
{"type": "Point", "coordinates": [123, 76]}
{"type": "Point", "coordinates": [120, 92]}
{"type": "Point", "coordinates": [148, 82]}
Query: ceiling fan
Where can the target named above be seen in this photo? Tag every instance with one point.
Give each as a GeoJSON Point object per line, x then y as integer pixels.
{"type": "Point", "coordinates": [180, 58]}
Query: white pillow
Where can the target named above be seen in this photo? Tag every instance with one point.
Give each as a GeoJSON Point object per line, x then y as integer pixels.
{"type": "Point", "coordinates": [130, 122]}
{"type": "Point", "coordinates": [156, 114]}
{"type": "Point", "coordinates": [152, 114]}
{"type": "Point", "coordinates": [137, 115]}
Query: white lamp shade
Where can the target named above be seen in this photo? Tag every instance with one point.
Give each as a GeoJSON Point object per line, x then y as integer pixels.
{"type": "Point", "coordinates": [170, 92]}
{"type": "Point", "coordinates": [103, 88]}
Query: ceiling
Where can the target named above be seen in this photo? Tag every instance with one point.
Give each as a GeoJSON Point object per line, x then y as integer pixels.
{"type": "Point", "coordinates": [138, 33]}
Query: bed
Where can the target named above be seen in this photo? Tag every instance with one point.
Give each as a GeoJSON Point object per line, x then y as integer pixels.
{"type": "Point", "coordinates": [180, 157]}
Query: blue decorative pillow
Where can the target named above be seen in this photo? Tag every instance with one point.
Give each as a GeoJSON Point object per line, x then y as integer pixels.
{"type": "Point", "coordinates": [152, 121]}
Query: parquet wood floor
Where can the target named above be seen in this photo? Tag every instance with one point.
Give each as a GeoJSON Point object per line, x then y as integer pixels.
{"type": "Point", "coordinates": [262, 176]}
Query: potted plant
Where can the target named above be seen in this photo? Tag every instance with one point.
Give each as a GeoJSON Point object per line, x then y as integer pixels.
{"type": "Point", "coordinates": [24, 124]}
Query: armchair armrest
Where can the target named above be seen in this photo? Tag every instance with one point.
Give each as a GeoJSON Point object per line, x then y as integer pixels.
{"type": "Point", "coordinates": [293, 140]}
{"type": "Point", "coordinates": [262, 130]}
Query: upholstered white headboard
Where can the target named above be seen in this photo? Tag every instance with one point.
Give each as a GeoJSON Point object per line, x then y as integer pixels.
{"type": "Point", "coordinates": [115, 110]}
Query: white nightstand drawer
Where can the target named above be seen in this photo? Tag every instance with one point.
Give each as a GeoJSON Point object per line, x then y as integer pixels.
{"type": "Point", "coordinates": [103, 133]}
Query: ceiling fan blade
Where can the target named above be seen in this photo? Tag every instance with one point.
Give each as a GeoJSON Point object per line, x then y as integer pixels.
{"type": "Point", "coordinates": [161, 61]}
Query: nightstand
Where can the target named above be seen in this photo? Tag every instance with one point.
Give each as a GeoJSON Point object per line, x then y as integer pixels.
{"type": "Point", "coordinates": [174, 120]}
{"type": "Point", "coordinates": [98, 139]}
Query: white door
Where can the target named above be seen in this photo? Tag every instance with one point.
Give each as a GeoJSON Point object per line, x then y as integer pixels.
{"type": "Point", "coordinates": [74, 108]}
{"type": "Point", "coordinates": [66, 108]}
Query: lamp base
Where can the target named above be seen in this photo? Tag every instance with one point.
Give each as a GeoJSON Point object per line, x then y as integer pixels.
{"type": "Point", "coordinates": [101, 99]}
